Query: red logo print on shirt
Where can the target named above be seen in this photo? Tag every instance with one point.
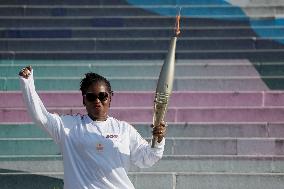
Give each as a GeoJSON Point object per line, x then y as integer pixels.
{"type": "Point", "coordinates": [99, 147]}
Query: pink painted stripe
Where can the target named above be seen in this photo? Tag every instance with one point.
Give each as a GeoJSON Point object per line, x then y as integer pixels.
{"type": "Point", "coordinates": [274, 98]}
{"type": "Point", "coordinates": [174, 115]}
{"type": "Point", "coordinates": [145, 99]}
{"type": "Point", "coordinates": [231, 115]}
{"type": "Point", "coordinates": [132, 115]}
{"type": "Point", "coordinates": [50, 99]}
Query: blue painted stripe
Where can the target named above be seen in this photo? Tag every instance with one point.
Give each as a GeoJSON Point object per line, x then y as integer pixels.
{"type": "Point", "coordinates": [214, 12]}
{"type": "Point", "coordinates": [236, 13]}
{"type": "Point", "coordinates": [273, 34]}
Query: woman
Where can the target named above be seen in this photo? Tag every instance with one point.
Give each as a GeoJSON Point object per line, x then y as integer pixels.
{"type": "Point", "coordinates": [97, 149]}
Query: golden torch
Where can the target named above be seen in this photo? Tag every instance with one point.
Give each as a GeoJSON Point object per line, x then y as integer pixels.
{"type": "Point", "coordinates": [165, 82]}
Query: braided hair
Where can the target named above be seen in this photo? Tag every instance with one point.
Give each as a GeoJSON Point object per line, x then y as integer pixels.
{"type": "Point", "coordinates": [91, 78]}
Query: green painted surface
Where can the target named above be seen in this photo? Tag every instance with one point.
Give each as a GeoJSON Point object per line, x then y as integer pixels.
{"type": "Point", "coordinates": [121, 84]}
{"type": "Point", "coordinates": [28, 147]}
{"type": "Point", "coordinates": [21, 131]}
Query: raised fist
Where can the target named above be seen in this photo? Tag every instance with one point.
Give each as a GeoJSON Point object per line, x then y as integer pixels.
{"type": "Point", "coordinates": [25, 72]}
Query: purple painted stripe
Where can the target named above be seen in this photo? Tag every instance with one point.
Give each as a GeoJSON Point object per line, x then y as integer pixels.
{"type": "Point", "coordinates": [21, 115]}
{"type": "Point", "coordinates": [131, 115]}
{"type": "Point", "coordinates": [144, 99]}
{"type": "Point", "coordinates": [209, 99]}
{"type": "Point", "coordinates": [274, 98]}
{"type": "Point", "coordinates": [174, 115]}
{"type": "Point", "coordinates": [231, 115]}
{"type": "Point", "coordinates": [50, 99]}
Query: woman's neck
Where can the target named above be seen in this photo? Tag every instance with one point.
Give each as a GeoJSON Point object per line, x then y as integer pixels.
{"type": "Point", "coordinates": [103, 118]}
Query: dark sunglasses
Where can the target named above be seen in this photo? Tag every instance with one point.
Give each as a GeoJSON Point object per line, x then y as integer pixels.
{"type": "Point", "coordinates": [91, 97]}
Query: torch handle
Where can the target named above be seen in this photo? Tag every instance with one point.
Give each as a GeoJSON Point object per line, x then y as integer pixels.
{"type": "Point", "coordinates": [154, 140]}
{"type": "Point", "coordinates": [160, 109]}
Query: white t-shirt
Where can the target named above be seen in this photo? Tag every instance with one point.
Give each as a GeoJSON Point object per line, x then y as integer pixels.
{"type": "Point", "coordinates": [96, 154]}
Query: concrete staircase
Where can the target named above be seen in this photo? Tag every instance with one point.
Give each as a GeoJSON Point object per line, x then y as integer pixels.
{"type": "Point", "coordinates": [226, 125]}
{"type": "Point", "coordinates": [142, 75]}
{"type": "Point", "coordinates": [197, 155]}
{"type": "Point", "coordinates": [120, 30]}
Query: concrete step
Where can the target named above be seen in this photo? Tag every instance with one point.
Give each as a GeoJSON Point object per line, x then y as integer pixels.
{"type": "Point", "coordinates": [166, 180]}
{"type": "Point", "coordinates": [169, 163]}
{"type": "Point", "coordinates": [204, 181]}
{"type": "Point", "coordinates": [263, 2]}
{"type": "Point", "coordinates": [183, 107]}
{"type": "Point", "coordinates": [174, 146]}
{"type": "Point", "coordinates": [174, 114]}
{"type": "Point", "coordinates": [116, 9]}
{"type": "Point", "coordinates": [136, 32]}
{"type": "Point", "coordinates": [208, 3]}
{"type": "Point", "coordinates": [28, 146]}
{"type": "Point", "coordinates": [186, 83]}
{"type": "Point", "coordinates": [218, 164]}
{"type": "Point", "coordinates": [64, 2]}
{"type": "Point", "coordinates": [255, 54]}
{"type": "Point", "coordinates": [193, 130]}
{"type": "Point", "coordinates": [178, 99]}
{"type": "Point", "coordinates": [224, 180]}
{"type": "Point", "coordinates": [148, 20]}
{"type": "Point", "coordinates": [27, 180]}
{"type": "Point", "coordinates": [79, 10]}
{"type": "Point", "coordinates": [135, 44]}
{"type": "Point", "coordinates": [132, 32]}
{"type": "Point", "coordinates": [128, 10]}
{"type": "Point", "coordinates": [106, 63]}
{"type": "Point", "coordinates": [146, 69]}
